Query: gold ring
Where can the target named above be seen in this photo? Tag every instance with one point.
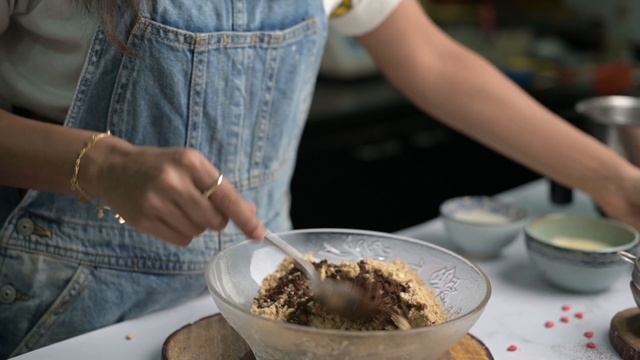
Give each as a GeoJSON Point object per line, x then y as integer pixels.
{"type": "Point", "coordinates": [215, 186]}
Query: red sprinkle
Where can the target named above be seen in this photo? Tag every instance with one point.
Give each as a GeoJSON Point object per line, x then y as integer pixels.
{"type": "Point", "coordinates": [566, 308]}
{"type": "Point", "coordinates": [588, 334]}
{"type": "Point", "coordinates": [592, 345]}
{"type": "Point", "coordinates": [549, 324]}
{"type": "Point", "coordinates": [564, 319]}
{"type": "Point", "coordinates": [512, 348]}
{"type": "Point", "coordinates": [579, 315]}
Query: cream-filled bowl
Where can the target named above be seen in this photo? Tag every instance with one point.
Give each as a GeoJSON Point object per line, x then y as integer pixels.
{"type": "Point", "coordinates": [234, 276]}
{"type": "Point", "coordinates": [481, 226]}
{"type": "Point", "coordinates": [580, 253]}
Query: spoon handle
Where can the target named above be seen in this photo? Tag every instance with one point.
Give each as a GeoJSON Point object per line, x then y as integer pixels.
{"type": "Point", "coordinates": [307, 267]}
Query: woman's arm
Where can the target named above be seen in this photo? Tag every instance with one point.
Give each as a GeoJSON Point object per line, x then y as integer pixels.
{"type": "Point", "coordinates": [38, 155]}
{"type": "Point", "coordinates": [467, 93]}
{"type": "Point", "coordinates": [157, 190]}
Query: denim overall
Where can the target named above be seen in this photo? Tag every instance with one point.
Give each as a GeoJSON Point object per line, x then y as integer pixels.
{"type": "Point", "coordinates": [231, 78]}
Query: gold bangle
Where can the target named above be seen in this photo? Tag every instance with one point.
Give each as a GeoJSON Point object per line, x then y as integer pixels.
{"type": "Point", "coordinates": [75, 184]}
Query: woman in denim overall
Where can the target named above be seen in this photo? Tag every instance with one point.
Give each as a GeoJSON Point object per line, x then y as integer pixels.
{"type": "Point", "coordinates": [232, 80]}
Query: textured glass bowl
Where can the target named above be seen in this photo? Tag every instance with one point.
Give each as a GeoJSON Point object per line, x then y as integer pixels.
{"type": "Point", "coordinates": [235, 274]}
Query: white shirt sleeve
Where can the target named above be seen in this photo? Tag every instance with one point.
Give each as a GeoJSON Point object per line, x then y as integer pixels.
{"type": "Point", "coordinates": [8, 8]}
{"type": "Point", "coordinates": [358, 17]}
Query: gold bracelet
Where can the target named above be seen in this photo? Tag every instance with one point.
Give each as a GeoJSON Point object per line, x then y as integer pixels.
{"type": "Point", "coordinates": [75, 184]}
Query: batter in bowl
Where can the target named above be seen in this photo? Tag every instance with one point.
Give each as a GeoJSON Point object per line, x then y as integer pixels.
{"type": "Point", "coordinates": [404, 301]}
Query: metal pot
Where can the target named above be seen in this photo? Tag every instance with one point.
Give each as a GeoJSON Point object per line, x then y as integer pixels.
{"type": "Point", "coordinates": [615, 121]}
{"type": "Point", "coordinates": [634, 284]}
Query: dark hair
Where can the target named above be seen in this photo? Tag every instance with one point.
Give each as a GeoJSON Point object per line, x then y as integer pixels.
{"type": "Point", "coordinates": [110, 13]}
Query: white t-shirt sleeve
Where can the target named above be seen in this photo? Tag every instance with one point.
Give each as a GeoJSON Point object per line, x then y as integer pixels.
{"type": "Point", "coordinates": [358, 17]}
{"type": "Point", "coordinates": [8, 8]}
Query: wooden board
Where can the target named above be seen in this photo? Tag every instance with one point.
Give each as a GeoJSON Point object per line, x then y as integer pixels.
{"type": "Point", "coordinates": [624, 333]}
{"type": "Point", "coordinates": [194, 342]}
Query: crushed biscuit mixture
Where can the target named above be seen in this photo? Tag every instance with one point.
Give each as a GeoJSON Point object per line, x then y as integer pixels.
{"type": "Point", "coordinates": [402, 296]}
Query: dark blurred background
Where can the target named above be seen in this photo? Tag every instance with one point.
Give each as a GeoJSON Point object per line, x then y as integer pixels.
{"type": "Point", "coordinates": [370, 160]}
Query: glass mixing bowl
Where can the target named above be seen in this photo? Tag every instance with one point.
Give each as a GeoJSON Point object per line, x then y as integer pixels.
{"type": "Point", "coordinates": [235, 274]}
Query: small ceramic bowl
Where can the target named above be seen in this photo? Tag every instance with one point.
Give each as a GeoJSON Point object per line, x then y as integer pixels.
{"type": "Point", "coordinates": [580, 253]}
{"type": "Point", "coordinates": [481, 226]}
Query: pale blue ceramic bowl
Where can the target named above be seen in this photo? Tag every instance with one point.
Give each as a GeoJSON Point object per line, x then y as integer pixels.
{"type": "Point", "coordinates": [580, 270]}
{"type": "Point", "coordinates": [478, 239]}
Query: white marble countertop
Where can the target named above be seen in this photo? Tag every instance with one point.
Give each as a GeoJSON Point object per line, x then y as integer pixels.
{"type": "Point", "coordinates": [520, 304]}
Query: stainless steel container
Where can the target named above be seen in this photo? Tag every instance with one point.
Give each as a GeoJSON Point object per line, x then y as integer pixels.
{"type": "Point", "coordinates": [634, 284]}
{"type": "Point", "coordinates": [614, 120]}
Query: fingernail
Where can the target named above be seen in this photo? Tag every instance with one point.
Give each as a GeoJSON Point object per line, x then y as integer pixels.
{"type": "Point", "coordinates": [260, 233]}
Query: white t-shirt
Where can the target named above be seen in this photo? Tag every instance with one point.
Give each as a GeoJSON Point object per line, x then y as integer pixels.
{"type": "Point", "coordinates": [43, 44]}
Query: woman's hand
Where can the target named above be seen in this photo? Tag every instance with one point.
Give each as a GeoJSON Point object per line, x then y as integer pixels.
{"type": "Point", "coordinates": [621, 200]}
{"type": "Point", "coordinates": [159, 191]}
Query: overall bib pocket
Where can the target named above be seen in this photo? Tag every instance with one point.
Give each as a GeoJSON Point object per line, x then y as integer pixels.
{"type": "Point", "coordinates": [240, 97]}
{"type": "Point", "coordinates": [42, 289]}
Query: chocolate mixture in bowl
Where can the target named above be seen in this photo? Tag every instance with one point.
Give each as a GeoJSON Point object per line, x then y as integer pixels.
{"type": "Point", "coordinates": [403, 300]}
